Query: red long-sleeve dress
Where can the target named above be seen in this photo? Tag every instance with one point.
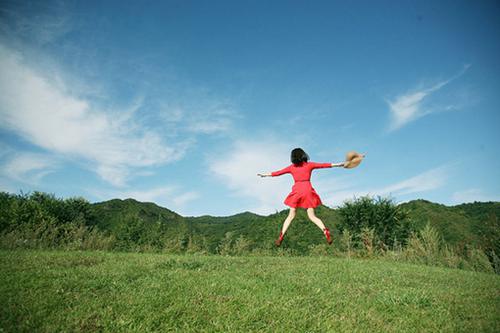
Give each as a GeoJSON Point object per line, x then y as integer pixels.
{"type": "Point", "coordinates": [303, 194]}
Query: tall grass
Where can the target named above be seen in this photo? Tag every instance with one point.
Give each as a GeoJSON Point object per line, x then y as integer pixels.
{"type": "Point", "coordinates": [423, 247]}
{"type": "Point", "coordinates": [427, 247]}
{"type": "Point", "coordinates": [50, 235]}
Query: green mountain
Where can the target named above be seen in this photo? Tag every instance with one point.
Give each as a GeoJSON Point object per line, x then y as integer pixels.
{"type": "Point", "coordinates": [115, 215]}
{"type": "Point", "coordinates": [113, 212]}
{"type": "Point", "coordinates": [466, 224]}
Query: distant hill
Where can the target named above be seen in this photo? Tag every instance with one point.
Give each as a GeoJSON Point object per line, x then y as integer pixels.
{"type": "Point", "coordinates": [472, 223]}
{"type": "Point", "coordinates": [113, 212]}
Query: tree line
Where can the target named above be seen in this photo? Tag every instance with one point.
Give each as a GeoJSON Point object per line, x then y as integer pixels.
{"type": "Point", "coordinates": [367, 228]}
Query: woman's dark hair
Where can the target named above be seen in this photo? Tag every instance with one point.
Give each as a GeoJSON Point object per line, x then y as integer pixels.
{"type": "Point", "coordinates": [298, 156]}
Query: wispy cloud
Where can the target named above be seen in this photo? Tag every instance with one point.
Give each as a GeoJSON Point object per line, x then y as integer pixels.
{"type": "Point", "coordinates": [40, 22]}
{"type": "Point", "coordinates": [473, 194]}
{"type": "Point", "coordinates": [210, 126]}
{"type": "Point", "coordinates": [205, 116]}
{"type": "Point", "coordinates": [28, 168]}
{"type": "Point", "coordinates": [408, 107]}
{"type": "Point", "coordinates": [184, 198]}
{"type": "Point", "coordinates": [426, 181]}
{"type": "Point", "coordinates": [47, 115]}
{"type": "Point", "coordinates": [238, 169]}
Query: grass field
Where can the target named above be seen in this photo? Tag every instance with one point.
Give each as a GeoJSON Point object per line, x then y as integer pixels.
{"type": "Point", "coordinates": [43, 291]}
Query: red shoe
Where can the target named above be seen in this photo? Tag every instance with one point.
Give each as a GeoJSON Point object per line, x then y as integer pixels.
{"type": "Point", "coordinates": [279, 240]}
{"type": "Point", "coordinates": [327, 235]}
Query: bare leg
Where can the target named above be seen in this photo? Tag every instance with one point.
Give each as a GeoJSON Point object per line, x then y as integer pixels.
{"type": "Point", "coordinates": [315, 219]}
{"type": "Point", "coordinates": [288, 220]}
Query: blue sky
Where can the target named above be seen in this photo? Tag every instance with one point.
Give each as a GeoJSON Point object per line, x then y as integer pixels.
{"type": "Point", "coordinates": [183, 102]}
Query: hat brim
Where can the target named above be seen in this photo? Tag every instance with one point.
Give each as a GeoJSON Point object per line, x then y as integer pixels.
{"type": "Point", "coordinates": [350, 155]}
{"type": "Point", "coordinates": [354, 162]}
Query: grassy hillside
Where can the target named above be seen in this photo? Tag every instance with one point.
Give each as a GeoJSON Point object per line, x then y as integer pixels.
{"type": "Point", "coordinates": [130, 292]}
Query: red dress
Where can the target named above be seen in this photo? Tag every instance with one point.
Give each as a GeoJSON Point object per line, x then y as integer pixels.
{"type": "Point", "coordinates": [303, 194]}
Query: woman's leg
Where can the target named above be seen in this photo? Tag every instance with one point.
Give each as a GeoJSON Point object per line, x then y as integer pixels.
{"type": "Point", "coordinates": [315, 219]}
{"type": "Point", "coordinates": [288, 220]}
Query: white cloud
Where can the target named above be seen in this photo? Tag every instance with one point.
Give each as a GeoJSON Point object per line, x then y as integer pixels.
{"type": "Point", "coordinates": [6, 186]}
{"type": "Point", "coordinates": [406, 108]}
{"type": "Point", "coordinates": [471, 195]}
{"type": "Point", "coordinates": [198, 113]}
{"type": "Point", "coordinates": [214, 119]}
{"type": "Point", "coordinates": [42, 22]}
{"type": "Point", "coordinates": [210, 126]}
{"type": "Point", "coordinates": [28, 168]}
{"type": "Point", "coordinates": [425, 181]}
{"type": "Point", "coordinates": [46, 114]}
{"type": "Point", "coordinates": [184, 198]}
{"type": "Point", "coordinates": [238, 169]}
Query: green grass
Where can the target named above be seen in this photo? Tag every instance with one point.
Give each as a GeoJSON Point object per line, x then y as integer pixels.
{"type": "Point", "coordinates": [42, 291]}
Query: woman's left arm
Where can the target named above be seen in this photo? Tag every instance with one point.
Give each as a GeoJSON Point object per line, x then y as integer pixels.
{"type": "Point", "coordinates": [325, 165]}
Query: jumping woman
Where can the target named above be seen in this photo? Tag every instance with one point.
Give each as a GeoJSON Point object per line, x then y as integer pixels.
{"type": "Point", "coordinates": [303, 194]}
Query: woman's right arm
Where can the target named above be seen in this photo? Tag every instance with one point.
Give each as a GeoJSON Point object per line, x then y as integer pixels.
{"type": "Point", "coordinates": [275, 173]}
{"type": "Point", "coordinates": [264, 174]}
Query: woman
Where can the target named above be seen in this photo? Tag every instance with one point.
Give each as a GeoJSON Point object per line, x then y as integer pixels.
{"type": "Point", "coordinates": [303, 194]}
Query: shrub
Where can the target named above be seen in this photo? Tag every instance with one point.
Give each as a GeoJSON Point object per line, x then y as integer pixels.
{"type": "Point", "coordinates": [424, 246]}
{"type": "Point", "coordinates": [387, 220]}
{"type": "Point", "coordinates": [241, 246]}
{"type": "Point", "coordinates": [197, 244]}
{"type": "Point", "coordinates": [368, 240]}
{"type": "Point", "coordinates": [319, 250]}
{"type": "Point", "coordinates": [479, 261]}
{"type": "Point", "coordinates": [225, 245]}
{"type": "Point", "coordinates": [346, 243]}
{"type": "Point", "coordinates": [174, 245]}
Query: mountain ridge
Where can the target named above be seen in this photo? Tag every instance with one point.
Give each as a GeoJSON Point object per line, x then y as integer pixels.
{"type": "Point", "coordinates": [459, 225]}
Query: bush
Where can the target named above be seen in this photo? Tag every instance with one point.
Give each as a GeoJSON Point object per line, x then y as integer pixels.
{"type": "Point", "coordinates": [388, 221]}
{"type": "Point", "coordinates": [368, 241]}
{"type": "Point", "coordinates": [479, 262]}
{"type": "Point", "coordinates": [197, 244]}
{"type": "Point", "coordinates": [174, 245]}
{"type": "Point", "coordinates": [241, 246]}
{"type": "Point", "coordinates": [346, 243]}
{"type": "Point", "coordinates": [319, 250]}
{"type": "Point", "coordinates": [225, 245]}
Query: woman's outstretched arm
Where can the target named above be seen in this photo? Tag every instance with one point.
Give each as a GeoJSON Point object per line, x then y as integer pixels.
{"type": "Point", "coordinates": [275, 173]}
{"type": "Point", "coordinates": [315, 165]}
{"type": "Point", "coordinates": [264, 175]}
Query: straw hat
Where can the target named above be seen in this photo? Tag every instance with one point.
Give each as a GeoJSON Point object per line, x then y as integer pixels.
{"type": "Point", "coordinates": [352, 159]}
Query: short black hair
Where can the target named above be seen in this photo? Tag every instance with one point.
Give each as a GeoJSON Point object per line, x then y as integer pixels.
{"type": "Point", "coordinates": [298, 156]}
